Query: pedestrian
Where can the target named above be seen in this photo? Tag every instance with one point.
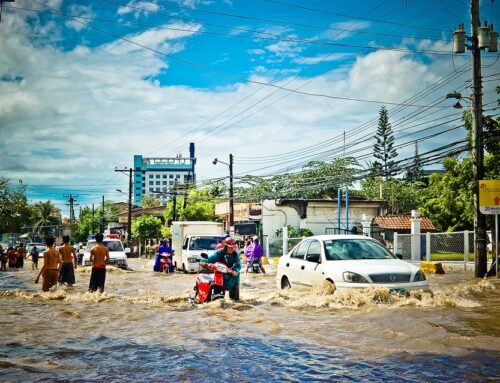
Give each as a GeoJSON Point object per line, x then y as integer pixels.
{"type": "Point", "coordinates": [81, 252]}
{"type": "Point", "coordinates": [21, 255]}
{"type": "Point", "coordinates": [67, 270]}
{"type": "Point", "coordinates": [99, 256]}
{"type": "Point", "coordinates": [12, 255]}
{"type": "Point", "coordinates": [51, 265]}
{"type": "Point", "coordinates": [34, 254]}
{"type": "Point", "coordinates": [254, 252]}
{"type": "Point", "coordinates": [3, 259]}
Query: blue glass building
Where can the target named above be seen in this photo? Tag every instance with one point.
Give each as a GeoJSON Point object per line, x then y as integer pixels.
{"type": "Point", "coordinates": [157, 176]}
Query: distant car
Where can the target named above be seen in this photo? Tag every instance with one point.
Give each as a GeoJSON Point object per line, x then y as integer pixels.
{"type": "Point", "coordinates": [347, 261]}
{"type": "Point", "coordinates": [40, 247]}
{"type": "Point", "coordinates": [117, 254]}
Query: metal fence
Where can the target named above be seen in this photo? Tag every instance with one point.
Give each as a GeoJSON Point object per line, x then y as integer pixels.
{"type": "Point", "coordinates": [456, 246]}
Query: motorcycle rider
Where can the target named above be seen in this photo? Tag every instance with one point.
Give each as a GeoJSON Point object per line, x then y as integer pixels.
{"type": "Point", "coordinates": [228, 255]}
{"type": "Point", "coordinates": [254, 252]}
{"type": "Point", "coordinates": [163, 249]}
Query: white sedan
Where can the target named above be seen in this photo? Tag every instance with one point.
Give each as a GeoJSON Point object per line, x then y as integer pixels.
{"type": "Point", "coordinates": [347, 261]}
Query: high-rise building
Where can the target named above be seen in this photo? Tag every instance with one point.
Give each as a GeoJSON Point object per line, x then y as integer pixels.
{"type": "Point", "coordinates": [157, 177]}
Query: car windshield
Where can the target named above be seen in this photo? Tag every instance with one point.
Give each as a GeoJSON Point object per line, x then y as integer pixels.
{"type": "Point", "coordinates": [349, 249]}
{"type": "Point", "coordinates": [204, 243]}
{"type": "Point", "coordinates": [111, 245]}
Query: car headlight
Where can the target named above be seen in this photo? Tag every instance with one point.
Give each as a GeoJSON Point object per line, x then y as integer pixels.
{"type": "Point", "coordinates": [419, 276]}
{"type": "Point", "coordinates": [353, 277]}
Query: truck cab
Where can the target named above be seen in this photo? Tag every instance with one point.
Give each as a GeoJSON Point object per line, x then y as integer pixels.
{"type": "Point", "coordinates": [190, 239]}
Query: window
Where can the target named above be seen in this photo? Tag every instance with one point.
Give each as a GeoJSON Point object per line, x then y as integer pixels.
{"type": "Point", "coordinates": [164, 182]}
{"type": "Point", "coordinates": [171, 182]}
{"type": "Point", "coordinates": [157, 176]}
{"type": "Point", "coordinates": [300, 250]}
{"type": "Point", "coordinates": [171, 176]}
{"type": "Point", "coordinates": [158, 182]}
{"type": "Point", "coordinates": [177, 176]}
{"type": "Point", "coordinates": [151, 182]}
{"type": "Point", "coordinates": [314, 250]}
{"type": "Point", "coordinates": [151, 176]}
{"type": "Point", "coordinates": [164, 176]}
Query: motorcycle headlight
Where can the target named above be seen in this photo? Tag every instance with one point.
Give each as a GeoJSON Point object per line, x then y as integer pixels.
{"type": "Point", "coordinates": [419, 276]}
{"type": "Point", "coordinates": [353, 277]}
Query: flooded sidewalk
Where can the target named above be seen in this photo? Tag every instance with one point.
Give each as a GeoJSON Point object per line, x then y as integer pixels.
{"type": "Point", "coordinates": [144, 329]}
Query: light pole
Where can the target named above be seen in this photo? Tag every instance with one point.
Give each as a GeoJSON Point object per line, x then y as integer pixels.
{"type": "Point", "coordinates": [481, 37]}
{"type": "Point", "coordinates": [129, 223]}
{"type": "Point", "coordinates": [231, 197]}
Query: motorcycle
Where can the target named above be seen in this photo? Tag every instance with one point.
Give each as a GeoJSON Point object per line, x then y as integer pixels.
{"type": "Point", "coordinates": [165, 263]}
{"type": "Point", "coordinates": [255, 266]}
{"type": "Point", "coordinates": [209, 288]}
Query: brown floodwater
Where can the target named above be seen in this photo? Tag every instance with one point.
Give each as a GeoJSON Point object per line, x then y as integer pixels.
{"type": "Point", "coordinates": [144, 329]}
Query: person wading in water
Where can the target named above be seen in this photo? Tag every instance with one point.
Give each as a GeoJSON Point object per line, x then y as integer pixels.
{"type": "Point", "coordinates": [51, 264]}
{"type": "Point", "coordinates": [99, 256]}
{"type": "Point", "coordinates": [67, 271]}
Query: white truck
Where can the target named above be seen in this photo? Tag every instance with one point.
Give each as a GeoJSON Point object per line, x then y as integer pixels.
{"type": "Point", "coordinates": [190, 239]}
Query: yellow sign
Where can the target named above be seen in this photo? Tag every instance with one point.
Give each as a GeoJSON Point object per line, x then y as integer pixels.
{"type": "Point", "coordinates": [122, 219]}
{"type": "Point", "coordinates": [489, 196]}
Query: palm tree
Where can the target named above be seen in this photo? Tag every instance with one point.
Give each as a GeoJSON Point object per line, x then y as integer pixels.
{"type": "Point", "coordinates": [43, 215]}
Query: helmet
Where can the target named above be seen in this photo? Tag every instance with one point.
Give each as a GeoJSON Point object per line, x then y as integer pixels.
{"type": "Point", "coordinates": [229, 242]}
{"type": "Point", "coordinates": [165, 240]}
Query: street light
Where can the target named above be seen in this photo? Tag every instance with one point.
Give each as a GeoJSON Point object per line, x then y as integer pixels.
{"type": "Point", "coordinates": [231, 199]}
{"type": "Point", "coordinates": [478, 152]}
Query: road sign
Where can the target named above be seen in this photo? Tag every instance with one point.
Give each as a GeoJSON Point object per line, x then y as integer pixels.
{"type": "Point", "coordinates": [489, 196]}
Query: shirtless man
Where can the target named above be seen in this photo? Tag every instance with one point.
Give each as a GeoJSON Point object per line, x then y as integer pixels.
{"type": "Point", "coordinates": [51, 264]}
{"type": "Point", "coordinates": [99, 256]}
{"type": "Point", "coordinates": [67, 270]}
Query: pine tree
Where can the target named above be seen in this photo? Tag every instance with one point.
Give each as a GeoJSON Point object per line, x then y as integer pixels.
{"type": "Point", "coordinates": [384, 147]}
{"type": "Point", "coordinates": [415, 172]}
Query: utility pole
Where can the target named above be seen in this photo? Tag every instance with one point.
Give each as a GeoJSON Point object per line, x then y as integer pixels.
{"type": "Point", "coordinates": [231, 193]}
{"type": "Point", "coordinates": [482, 37]}
{"type": "Point", "coordinates": [129, 217]}
{"type": "Point", "coordinates": [102, 216]}
{"type": "Point", "coordinates": [93, 218]}
{"type": "Point", "coordinates": [1, 6]}
{"type": "Point", "coordinates": [71, 203]}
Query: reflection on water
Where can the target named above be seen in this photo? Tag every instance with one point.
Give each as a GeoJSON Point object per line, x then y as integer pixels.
{"type": "Point", "coordinates": [144, 329]}
{"type": "Point", "coordinates": [241, 359]}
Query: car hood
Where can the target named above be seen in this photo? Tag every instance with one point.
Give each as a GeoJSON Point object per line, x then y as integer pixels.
{"type": "Point", "coordinates": [373, 266]}
{"type": "Point", "coordinates": [112, 255]}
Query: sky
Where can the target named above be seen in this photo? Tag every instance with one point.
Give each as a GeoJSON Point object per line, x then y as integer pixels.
{"type": "Point", "coordinates": [85, 85]}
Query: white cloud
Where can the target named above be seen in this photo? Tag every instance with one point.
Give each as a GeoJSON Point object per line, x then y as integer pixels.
{"type": "Point", "coordinates": [79, 10]}
{"type": "Point", "coordinates": [75, 115]}
{"type": "Point", "coordinates": [138, 8]}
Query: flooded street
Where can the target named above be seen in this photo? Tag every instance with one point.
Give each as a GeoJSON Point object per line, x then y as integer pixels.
{"type": "Point", "coordinates": [143, 329]}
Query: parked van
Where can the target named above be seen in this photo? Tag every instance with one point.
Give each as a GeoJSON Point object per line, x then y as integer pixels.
{"type": "Point", "coordinates": [190, 239]}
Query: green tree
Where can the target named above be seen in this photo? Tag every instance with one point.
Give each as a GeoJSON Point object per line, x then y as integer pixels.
{"type": "Point", "coordinates": [384, 150]}
{"type": "Point", "coordinates": [415, 171]}
{"type": "Point", "coordinates": [199, 206]}
{"type": "Point", "coordinates": [14, 209]}
{"type": "Point", "coordinates": [150, 201]}
{"type": "Point", "coordinates": [146, 226]}
{"type": "Point", "coordinates": [402, 196]}
{"type": "Point", "coordinates": [45, 216]}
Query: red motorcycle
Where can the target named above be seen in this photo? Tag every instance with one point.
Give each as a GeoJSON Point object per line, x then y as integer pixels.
{"type": "Point", "coordinates": [209, 288]}
{"type": "Point", "coordinates": [165, 263]}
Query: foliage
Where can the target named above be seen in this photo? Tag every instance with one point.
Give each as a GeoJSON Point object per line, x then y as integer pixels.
{"type": "Point", "coordinates": [199, 206]}
{"type": "Point", "coordinates": [295, 232]}
{"type": "Point", "coordinates": [402, 196]}
{"type": "Point", "coordinates": [415, 171]}
{"type": "Point", "coordinates": [166, 232]}
{"type": "Point", "coordinates": [90, 223]}
{"type": "Point", "coordinates": [318, 179]}
{"type": "Point", "coordinates": [216, 188]}
{"type": "Point", "coordinates": [146, 226]}
{"type": "Point", "coordinates": [44, 216]}
{"type": "Point", "coordinates": [14, 209]}
{"type": "Point", "coordinates": [150, 201]}
{"type": "Point", "coordinates": [384, 150]}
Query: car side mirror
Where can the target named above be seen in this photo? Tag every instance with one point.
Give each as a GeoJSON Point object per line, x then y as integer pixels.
{"type": "Point", "coordinates": [313, 258]}
{"type": "Point", "coordinates": [399, 255]}
{"type": "Point", "coordinates": [127, 250]}
{"type": "Point", "coordinates": [204, 255]}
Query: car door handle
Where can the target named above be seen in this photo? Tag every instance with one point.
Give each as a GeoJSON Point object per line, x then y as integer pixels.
{"type": "Point", "coordinates": [302, 267]}
{"type": "Point", "coordinates": [287, 264]}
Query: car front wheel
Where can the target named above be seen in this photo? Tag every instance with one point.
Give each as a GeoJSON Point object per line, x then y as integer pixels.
{"type": "Point", "coordinates": [285, 283]}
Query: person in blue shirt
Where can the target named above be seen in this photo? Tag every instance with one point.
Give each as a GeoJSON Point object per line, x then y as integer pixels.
{"type": "Point", "coordinates": [229, 256]}
{"type": "Point", "coordinates": [164, 249]}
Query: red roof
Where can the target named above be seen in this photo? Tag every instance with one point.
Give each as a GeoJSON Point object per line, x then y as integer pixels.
{"type": "Point", "coordinates": [402, 222]}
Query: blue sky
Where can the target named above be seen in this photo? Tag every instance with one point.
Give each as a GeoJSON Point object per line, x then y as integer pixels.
{"type": "Point", "coordinates": [85, 85]}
